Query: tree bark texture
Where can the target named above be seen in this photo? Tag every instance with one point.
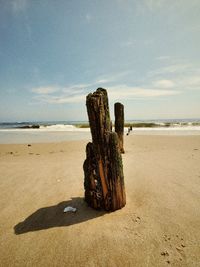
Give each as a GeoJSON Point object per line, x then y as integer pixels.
{"type": "Point", "coordinates": [103, 169]}
{"type": "Point", "coordinates": [119, 124]}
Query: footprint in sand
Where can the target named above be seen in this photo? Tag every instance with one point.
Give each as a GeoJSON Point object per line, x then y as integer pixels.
{"type": "Point", "coordinates": [180, 247]}
{"type": "Point", "coordinates": [132, 226]}
{"type": "Point", "coordinates": [136, 219]}
{"type": "Point", "coordinates": [176, 245]}
{"type": "Point", "coordinates": [165, 254]}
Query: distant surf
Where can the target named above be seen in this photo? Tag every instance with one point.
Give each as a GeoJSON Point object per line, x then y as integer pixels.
{"type": "Point", "coordinates": [39, 132]}
{"type": "Point", "coordinates": [49, 126]}
{"type": "Point", "coordinates": [80, 125]}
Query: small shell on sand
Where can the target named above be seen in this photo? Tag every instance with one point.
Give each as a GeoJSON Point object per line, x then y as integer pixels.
{"type": "Point", "coordinates": [67, 209]}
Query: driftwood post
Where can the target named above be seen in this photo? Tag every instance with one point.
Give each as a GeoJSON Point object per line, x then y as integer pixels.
{"type": "Point", "coordinates": [103, 169]}
{"type": "Point", "coordinates": [119, 124]}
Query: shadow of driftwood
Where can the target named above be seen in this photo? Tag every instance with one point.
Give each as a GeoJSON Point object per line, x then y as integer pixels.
{"type": "Point", "coordinates": [53, 216]}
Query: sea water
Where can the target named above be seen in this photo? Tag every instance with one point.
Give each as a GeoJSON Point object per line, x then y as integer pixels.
{"type": "Point", "coordinates": [40, 132]}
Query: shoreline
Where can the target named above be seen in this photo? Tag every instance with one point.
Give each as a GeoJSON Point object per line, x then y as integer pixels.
{"type": "Point", "coordinates": [22, 136]}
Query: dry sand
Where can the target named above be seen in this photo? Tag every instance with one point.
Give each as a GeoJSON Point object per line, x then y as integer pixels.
{"type": "Point", "coordinates": [160, 225]}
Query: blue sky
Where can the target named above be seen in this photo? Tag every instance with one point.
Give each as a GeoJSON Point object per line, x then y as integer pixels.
{"type": "Point", "coordinates": [53, 53]}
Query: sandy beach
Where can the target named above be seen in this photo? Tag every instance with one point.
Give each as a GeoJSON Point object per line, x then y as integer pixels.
{"type": "Point", "coordinates": [159, 226]}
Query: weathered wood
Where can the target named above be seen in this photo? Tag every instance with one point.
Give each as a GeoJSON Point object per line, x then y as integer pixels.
{"type": "Point", "coordinates": [119, 124]}
{"type": "Point", "coordinates": [103, 169]}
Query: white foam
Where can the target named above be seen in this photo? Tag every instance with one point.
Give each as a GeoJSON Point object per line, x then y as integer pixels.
{"type": "Point", "coordinates": [180, 128]}
{"type": "Point", "coordinates": [72, 129]}
{"type": "Point", "coordinates": [58, 127]}
{"type": "Point", "coordinates": [49, 128]}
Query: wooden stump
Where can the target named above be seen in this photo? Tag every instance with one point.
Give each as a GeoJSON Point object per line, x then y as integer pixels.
{"type": "Point", "coordinates": [103, 169]}
{"type": "Point", "coordinates": [119, 124]}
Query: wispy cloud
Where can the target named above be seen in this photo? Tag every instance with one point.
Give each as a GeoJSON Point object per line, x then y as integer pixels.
{"type": "Point", "coordinates": [88, 18]}
{"type": "Point", "coordinates": [69, 94]}
{"type": "Point", "coordinates": [127, 44]}
{"type": "Point", "coordinates": [148, 42]}
{"type": "Point", "coordinates": [163, 58]}
{"type": "Point", "coordinates": [61, 99]}
{"type": "Point", "coordinates": [154, 4]}
{"type": "Point", "coordinates": [164, 84]}
{"type": "Point", "coordinates": [189, 82]}
{"type": "Point", "coordinates": [174, 68]}
{"type": "Point", "coordinates": [112, 78]}
{"type": "Point", "coordinates": [76, 87]}
{"type": "Point", "coordinates": [102, 81]}
{"type": "Point", "coordinates": [59, 95]}
{"type": "Point", "coordinates": [177, 76]}
{"type": "Point", "coordinates": [45, 90]}
{"type": "Point", "coordinates": [29, 31]}
{"type": "Point", "coordinates": [134, 43]}
{"type": "Point", "coordinates": [19, 5]}
{"type": "Point", "coordinates": [74, 94]}
{"type": "Point", "coordinates": [144, 6]}
{"type": "Point", "coordinates": [170, 80]}
{"type": "Point", "coordinates": [130, 92]}
{"type": "Point", "coordinates": [157, 84]}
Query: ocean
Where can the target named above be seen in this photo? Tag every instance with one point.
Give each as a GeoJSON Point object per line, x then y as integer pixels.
{"type": "Point", "coordinates": [57, 131]}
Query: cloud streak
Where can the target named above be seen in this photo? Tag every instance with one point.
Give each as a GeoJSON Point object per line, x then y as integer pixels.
{"type": "Point", "coordinates": [173, 68]}
{"type": "Point", "coordinates": [76, 94]}
{"type": "Point", "coordinates": [163, 58]}
{"type": "Point", "coordinates": [88, 18]}
{"type": "Point", "coordinates": [129, 92]}
{"type": "Point", "coordinates": [164, 84]}
{"type": "Point", "coordinates": [45, 90]}
{"type": "Point", "coordinates": [60, 95]}
{"type": "Point", "coordinates": [178, 76]}
{"type": "Point", "coordinates": [157, 86]}
{"type": "Point", "coordinates": [61, 99]}
{"type": "Point", "coordinates": [127, 44]}
{"type": "Point", "coordinates": [19, 5]}
{"type": "Point", "coordinates": [154, 4]}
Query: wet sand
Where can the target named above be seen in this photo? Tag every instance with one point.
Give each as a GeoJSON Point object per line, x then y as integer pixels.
{"type": "Point", "coordinates": [160, 225]}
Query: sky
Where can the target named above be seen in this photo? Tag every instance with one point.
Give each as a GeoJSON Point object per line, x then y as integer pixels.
{"type": "Point", "coordinates": [144, 52]}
